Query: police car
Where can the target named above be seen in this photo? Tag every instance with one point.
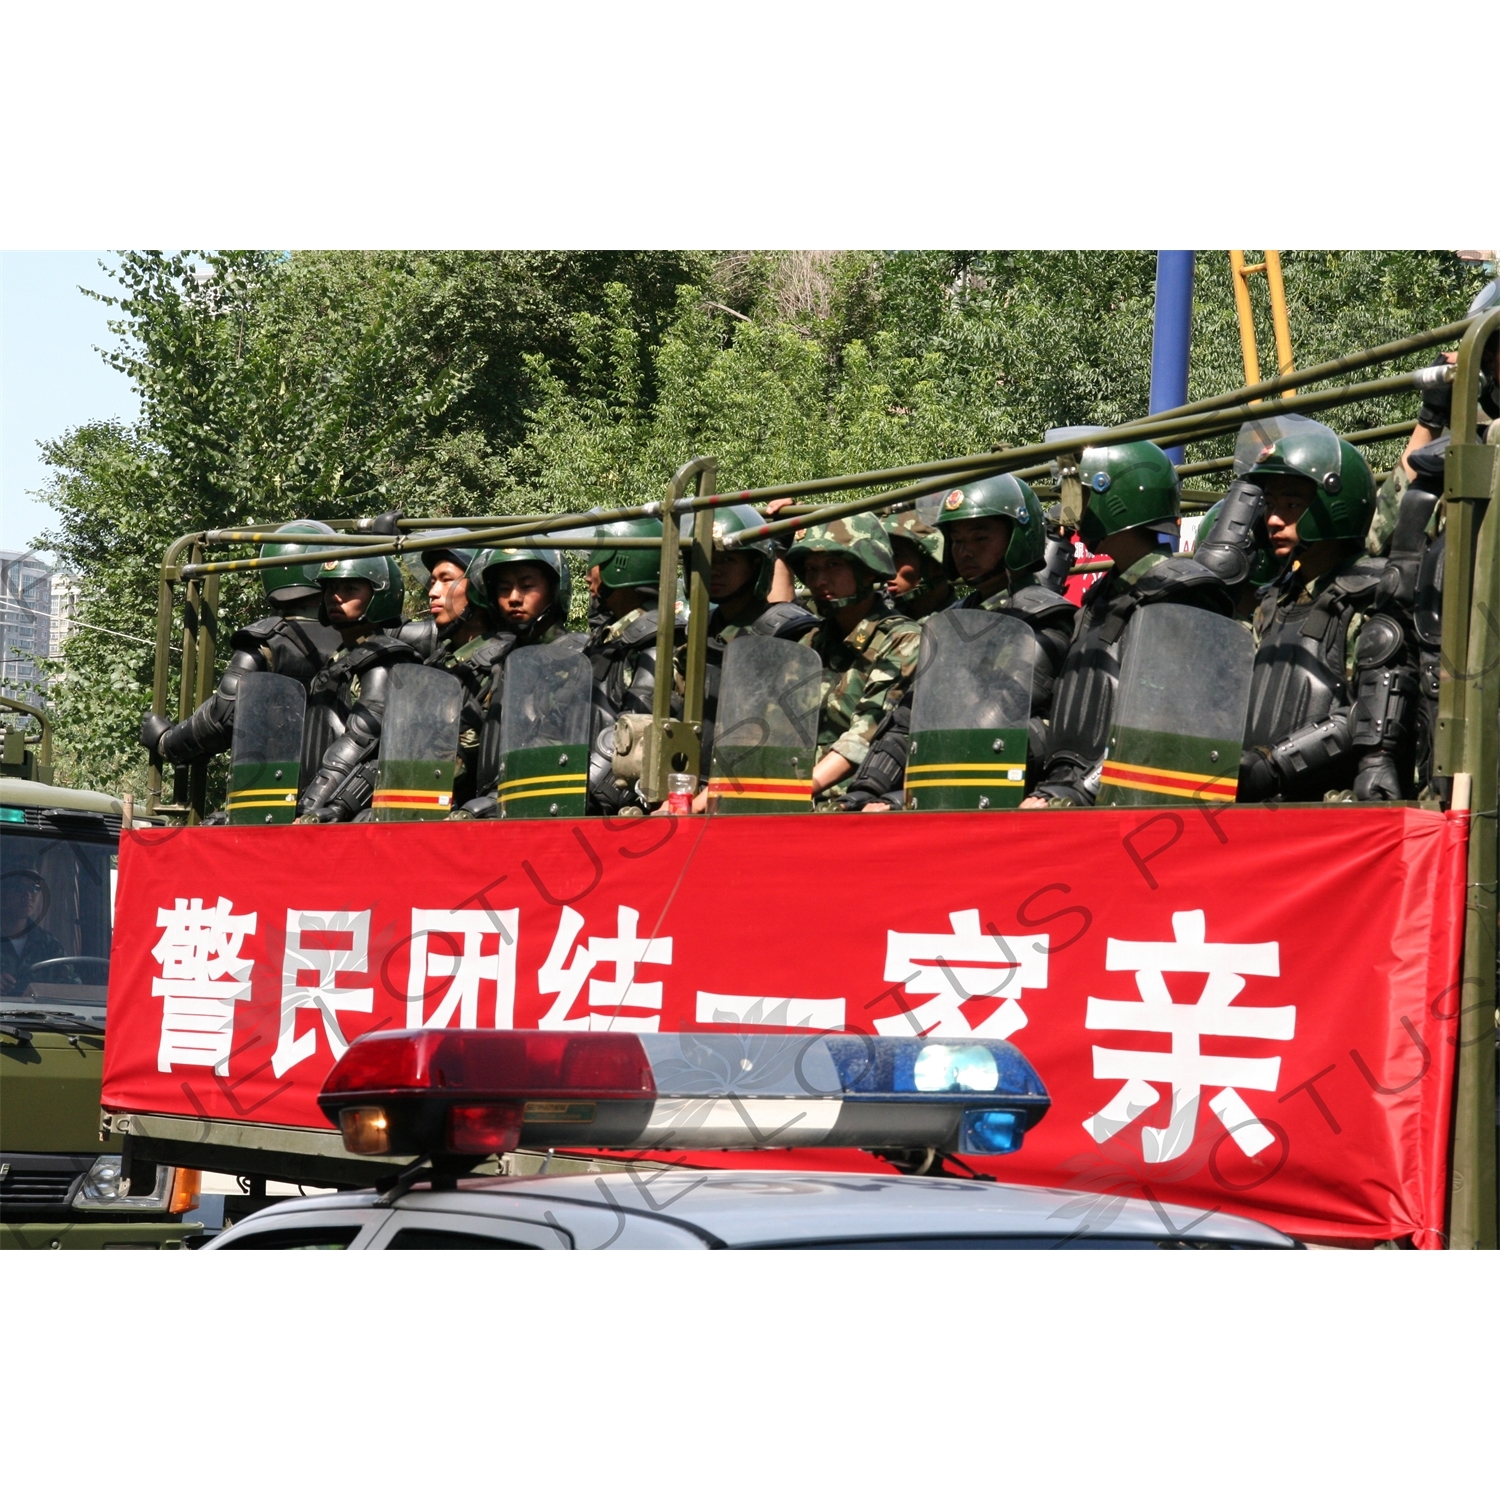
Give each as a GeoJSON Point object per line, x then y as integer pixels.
{"type": "Point", "coordinates": [455, 1099]}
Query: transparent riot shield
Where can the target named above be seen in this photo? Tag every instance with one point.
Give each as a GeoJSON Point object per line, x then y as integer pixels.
{"type": "Point", "coordinates": [970, 712]}
{"type": "Point", "coordinates": [1179, 712]}
{"type": "Point", "coordinates": [418, 745]}
{"type": "Point", "coordinates": [766, 733]}
{"type": "Point", "coordinates": [545, 709]}
{"type": "Point", "coordinates": [267, 750]}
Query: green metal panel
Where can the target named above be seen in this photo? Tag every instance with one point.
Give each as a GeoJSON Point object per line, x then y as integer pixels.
{"type": "Point", "coordinates": [545, 781]}
{"type": "Point", "coordinates": [49, 1092]}
{"type": "Point", "coordinates": [966, 769]}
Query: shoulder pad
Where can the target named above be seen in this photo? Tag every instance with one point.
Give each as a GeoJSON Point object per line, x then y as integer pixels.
{"type": "Point", "coordinates": [1182, 578]}
{"type": "Point", "coordinates": [1380, 638]}
{"type": "Point", "coordinates": [256, 633]}
{"type": "Point", "coordinates": [786, 620]}
{"type": "Point", "coordinates": [1036, 604]}
{"type": "Point", "coordinates": [420, 634]}
{"type": "Point", "coordinates": [638, 632]}
{"type": "Point", "coordinates": [1359, 580]}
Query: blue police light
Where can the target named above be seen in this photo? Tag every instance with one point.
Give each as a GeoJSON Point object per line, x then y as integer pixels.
{"type": "Point", "coordinates": [468, 1093]}
{"type": "Point", "coordinates": [990, 1132]}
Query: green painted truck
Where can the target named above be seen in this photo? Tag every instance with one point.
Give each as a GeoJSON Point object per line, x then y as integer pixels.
{"type": "Point", "coordinates": [61, 1186]}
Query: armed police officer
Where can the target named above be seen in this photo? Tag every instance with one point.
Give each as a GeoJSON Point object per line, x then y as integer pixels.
{"type": "Point", "coordinates": [1334, 694]}
{"type": "Point", "coordinates": [291, 640]}
{"type": "Point", "coordinates": [923, 583]}
{"type": "Point", "coordinates": [624, 583]}
{"type": "Point", "coordinates": [527, 592]}
{"type": "Point", "coordinates": [362, 600]}
{"type": "Point", "coordinates": [867, 647]}
{"type": "Point", "coordinates": [1132, 513]}
{"type": "Point", "coordinates": [995, 540]}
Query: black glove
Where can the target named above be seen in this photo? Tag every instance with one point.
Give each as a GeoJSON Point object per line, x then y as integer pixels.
{"type": "Point", "coordinates": [1377, 781]}
{"type": "Point", "coordinates": [1258, 778]}
{"type": "Point", "coordinates": [478, 807]}
{"type": "Point", "coordinates": [153, 726]}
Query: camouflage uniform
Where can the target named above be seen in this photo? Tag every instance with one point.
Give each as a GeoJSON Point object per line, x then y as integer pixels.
{"type": "Point", "coordinates": [866, 670]}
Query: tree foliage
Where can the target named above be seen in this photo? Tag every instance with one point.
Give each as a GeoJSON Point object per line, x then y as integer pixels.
{"type": "Point", "coordinates": [462, 383]}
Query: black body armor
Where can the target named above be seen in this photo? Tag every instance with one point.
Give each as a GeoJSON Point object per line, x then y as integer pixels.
{"type": "Point", "coordinates": [1306, 732]}
{"type": "Point", "coordinates": [1084, 697]}
{"type": "Point", "coordinates": [624, 683]}
{"type": "Point", "coordinates": [295, 647]}
{"type": "Point", "coordinates": [342, 734]}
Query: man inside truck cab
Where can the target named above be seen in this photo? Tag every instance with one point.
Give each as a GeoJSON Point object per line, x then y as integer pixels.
{"type": "Point", "coordinates": [24, 942]}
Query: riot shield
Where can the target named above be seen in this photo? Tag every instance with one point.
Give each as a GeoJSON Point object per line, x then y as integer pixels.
{"type": "Point", "coordinates": [418, 745]}
{"type": "Point", "coordinates": [545, 710]}
{"type": "Point", "coordinates": [267, 750]}
{"type": "Point", "coordinates": [970, 712]}
{"type": "Point", "coordinates": [1179, 710]}
{"type": "Point", "coordinates": [766, 730]}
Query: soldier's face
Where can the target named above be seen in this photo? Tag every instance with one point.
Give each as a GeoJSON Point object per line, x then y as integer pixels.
{"type": "Point", "coordinates": [730, 572]}
{"type": "Point", "coordinates": [979, 546]}
{"type": "Point", "coordinates": [521, 592]}
{"type": "Point", "coordinates": [21, 904]}
{"type": "Point", "coordinates": [346, 599]}
{"type": "Point", "coordinates": [1287, 499]}
{"type": "Point", "coordinates": [908, 568]}
{"type": "Point", "coordinates": [447, 592]}
{"type": "Point", "coordinates": [830, 575]}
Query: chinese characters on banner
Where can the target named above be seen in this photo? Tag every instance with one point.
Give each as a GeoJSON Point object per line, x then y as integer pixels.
{"type": "Point", "coordinates": [1289, 1057]}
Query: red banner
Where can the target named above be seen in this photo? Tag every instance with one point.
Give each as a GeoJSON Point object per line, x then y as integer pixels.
{"type": "Point", "coordinates": [1245, 1009]}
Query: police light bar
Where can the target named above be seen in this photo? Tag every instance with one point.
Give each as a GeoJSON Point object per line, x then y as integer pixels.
{"type": "Point", "coordinates": [474, 1093]}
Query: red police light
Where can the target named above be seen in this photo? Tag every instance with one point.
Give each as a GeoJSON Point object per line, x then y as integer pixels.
{"type": "Point", "coordinates": [488, 1065]}
{"type": "Point", "coordinates": [484, 1129]}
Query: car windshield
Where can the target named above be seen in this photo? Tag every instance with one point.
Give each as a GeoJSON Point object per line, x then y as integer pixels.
{"type": "Point", "coordinates": [56, 906]}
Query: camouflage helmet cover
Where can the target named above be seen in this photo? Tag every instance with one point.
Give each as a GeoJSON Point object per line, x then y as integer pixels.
{"type": "Point", "coordinates": [1343, 503]}
{"type": "Point", "coordinates": [911, 527]}
{"type": "Point", "coordinates": [292, 580]}
{"type": "Point", "coordinates": [860, 537]}
{"type": "Point", "coordinates": [1127, 485]}
{"type": "Point", "coordinates": [488, 559]}
{"type": "Point", "coordinates": [1001, 495]}
{"type": "Point", "coordinates": [627, 567]}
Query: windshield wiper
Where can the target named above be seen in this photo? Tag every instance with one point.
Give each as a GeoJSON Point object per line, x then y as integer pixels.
{"type": "Point", "coordinates": [63, 1020]}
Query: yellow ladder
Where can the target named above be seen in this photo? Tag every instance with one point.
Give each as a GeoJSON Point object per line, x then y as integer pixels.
{"type": "Point", "coordinates": [1241, 274]}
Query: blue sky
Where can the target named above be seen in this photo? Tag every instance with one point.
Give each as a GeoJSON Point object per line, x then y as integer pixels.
{"type": "Point", "coordinates": [51, 378]}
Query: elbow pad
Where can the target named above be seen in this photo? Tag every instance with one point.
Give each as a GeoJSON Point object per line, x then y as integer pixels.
{"type": "Point", "coordinates": [1386, 688]}
{"type": "Point", "coordinates": [1309, 750]}
{"type": "Point", "coordinates": [1228, 550]}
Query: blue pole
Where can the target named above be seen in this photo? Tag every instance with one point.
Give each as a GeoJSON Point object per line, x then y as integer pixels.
{"type": "Point", "coordinates": [1172, 333]}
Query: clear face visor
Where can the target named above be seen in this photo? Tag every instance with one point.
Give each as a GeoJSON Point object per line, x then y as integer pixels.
{"type": "Point", "coordinates": [1300, 444]}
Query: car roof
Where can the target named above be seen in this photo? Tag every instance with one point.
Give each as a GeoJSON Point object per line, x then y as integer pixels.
{"type": "Point", "coordinates": [737, 1208]}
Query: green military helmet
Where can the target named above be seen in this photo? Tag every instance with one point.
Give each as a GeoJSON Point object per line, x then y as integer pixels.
{"type": "Point", "coordinates": [482, 593]}
{"type": "Point", "coordinates": [385, 578]}
{"type": "Point", "coordinates": [729, 518]}
{"type": "Point", "coordinates": [1001, 495]}
{"type": "Point", "coordinates": [1344, 501]}
{"type": "Point", "coordinates": [1127, 485]}
{"type": "Point", "coordinates": [861, 538]}
{"type": "Point", "coordinates": [627, 567]}
{"type": "Point", "coordinates": [292, 579]}
{"type": "Point", "coordinates": [436, 550]}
